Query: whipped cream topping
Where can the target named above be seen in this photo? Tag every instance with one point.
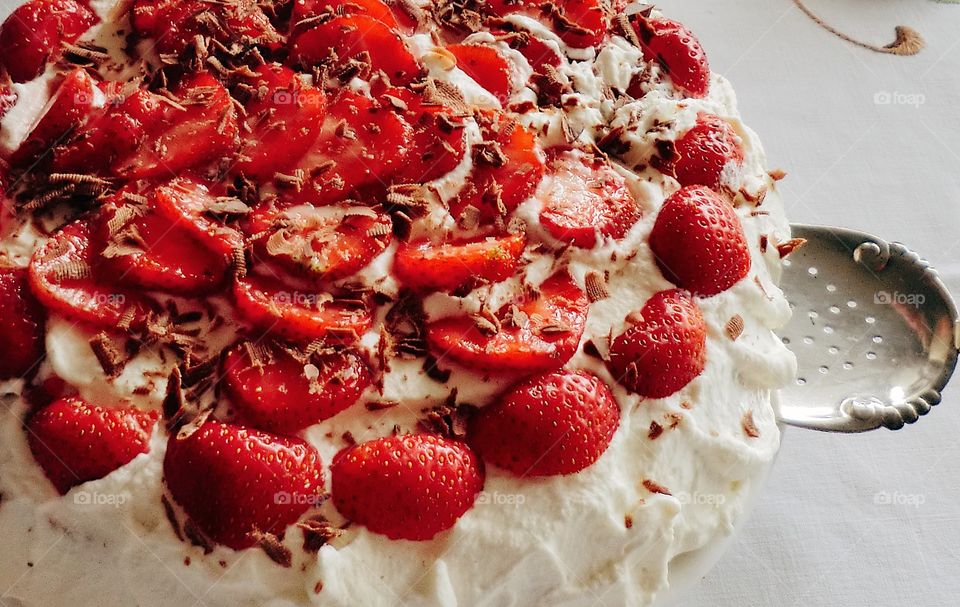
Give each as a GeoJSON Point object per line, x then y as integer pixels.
{"type": "Point", "coordinates": [607, 534]}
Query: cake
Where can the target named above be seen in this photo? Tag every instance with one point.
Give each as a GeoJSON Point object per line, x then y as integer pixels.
{"type": "Point", "coordinates": [361, 303]}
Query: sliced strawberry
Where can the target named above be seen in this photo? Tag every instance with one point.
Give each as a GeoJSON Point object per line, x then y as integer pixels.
{"type": "Point", "coordinates": [458, 266]}
{"type": "Point", "coordinates": [307, 12]}
{"type": "Point", "coordinates": [356, 37]}
{"type": "Point", "coordinates": [538, 53]}
{"type": "Point", "coordinates": [486, 66]}
{"type": "Point", "coordinates": [708, 154]}
{"type": "Point", "coordinates": [235, 482]}
{"type": "Point", "coordinates": [699, 243]}
{"type": "Point", "coordinates": [297, 315]}
{"type": "Point", "coordinates": [585, 196]}
{"type": "Point", "coordinates": [175, 24]}
{"type": "Point", "coordinates": [665, 350]}
{"type": "Point", "coordinates": [408, 487]}
{"type": "Point", "coordinates": [284, 118]}
{"type": "Point", "coordinates": [33, 34]}
{"type": "Point", "coordinates": [508, 167]}
{"type": "Point", "coordinates": [678, 51]}
{"type": "Point", "coordinates": [191, 205]}
{"type": "Point", "coordinates": [64, 278]}
{"type": "Point", "coordinates": [75, 442]}
{"type": "Point", "coordinates": [21, 320]}
{"type": "Point", "coordinates": [362, 146]}
{"type": "Point", "coordinates": [201, 132]}
{"type": "Point", "coordinates": [545, 339]}
{"type": "Point", "coordinates": [69, 108]}
{"type": "Point", "coordinates": [278, 392]}
{"type": "Point", "coordinates": [579, 23]}
{"type": "Point", "coordinates": [325, 243]}
{"type": "Point", "coordinates": [551, 424]}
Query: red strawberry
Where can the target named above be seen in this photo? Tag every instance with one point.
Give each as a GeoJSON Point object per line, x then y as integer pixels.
{"type": "Point", "coordinates": [678, 51]}
{"type": "Point", "coordinates": [297, 315]}
{"type": "Point", "coordinates": [545, 339]}
{"type": "Point", "coordinates": [508, 167]}
{"type": "Point", "coordinates": [486, 66]}
{"type": "Point", "coordinates": [708, 154]}
{"type": "Point", "coordinates": [69, 107]}
{"type": "Point", "coordinates": [583, 196]}
{"type": "Point", "coordinates": [63, 277]}
{"type": "Point", "coordinates": [21, 318]}
{"type": "Point", "coordinates": [460, 265]}
{"type": "Point", "coordinates": [8, 98]}
{"type": "Point", "coordinates": [175, 24]}
{"type": "Point", "coordinates": [408, 487]}
{"type": "Point", "coordinates": [362, 145]}
{"type": "Point", "coordinates": [665, 350]}
{"type": "Point", "coordinates": [190, 204]}
{"type": "Point", "coordinates": [699, 243]}
{"type": "Point", "coordinates": [556, 423]}
{"type": "Point", "coordinates": [283, 120]}
{"type": "Point", "coordinates": [305, 12]}
{"type": "Point", "coordinates": [75, 442]}
{"type": "Point", "coordinates": [234, 482]}
{"type": "Point", "coordinates": [325, 243]}
{"type": "Point", "coordinates": [32, 35]}
{"type": "Point", "coordinates": [277, 392]}
{"type": "Point", "coordinates": [356, 37]}
{"type": "Point", "coordinates": [202, 132]}
{"type": "Point", "coordinates": [538, 53]}
{"type": "Point", "coordinates": [579, 23]}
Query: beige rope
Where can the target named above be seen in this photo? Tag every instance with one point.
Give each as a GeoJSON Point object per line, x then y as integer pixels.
{"type": "Point", "coordinates": [908, 41]}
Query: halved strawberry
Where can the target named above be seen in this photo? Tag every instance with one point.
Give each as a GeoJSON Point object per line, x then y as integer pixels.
{"type": "Point", "coordinates": [542, 333]}
{"type": "Point", "coordinates": [585, 196]}
{"type": "Point", "coordinates": [175, 24]}
{"type": "Point", "coordinates": [458, 266]}
{"type": "Point", "coordinates": [193, 207]}
{"type": "Point", "coordinates": [199, 129]}
{"type": "Point", "coordinates": [508, 167]}
{"type": "Point", "coordinates": [677, 50]}
{"type": "Point", "coordinates": [298, 315]}
{"type": "Point", "coordinates": [308, 12]}
{"type": "Point", "coordinates": [538, 53]}
{"type": "Point", "coordinates": [33, 33]}
{"type": "Point", "coordinates": [362, 145]}
{"type": "Point", "coordinates": [699, 243]}
{"type": "Point", "coordinates": [579, 23]}
{"type": "Point", "coordinates": [235, 482]}
{"type": "Point", "coordinates": [284, 117]}
{"type": "Point", "coordinates": [665, 350]}
{"type": "Point", "coordinates": [21, 324]}
{"type": "Point", "coordinates": [278, 392]}
{"type": "Point", "coordinates": [76, 442]}
{"type": "Point", "coordinates": [486, 66]}
{"type": "Point", "coordinates": [408, 487]}
{"type": "Point", "coordinates": [64, 278]}
{"type": "Point", "coordinates": [68, 109]}
{"type": "Point", "coordinates": [325, 243]}
{"type": "Point", "coordinates": [356, 38]}
{"type": "Point", "coordinates": [708, 154]}
{"type": "Point", "coordinates": [551, 424]}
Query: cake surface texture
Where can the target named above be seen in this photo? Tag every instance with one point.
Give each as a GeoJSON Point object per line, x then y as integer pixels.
{"type": "Point", "coordinates": [358, 303]}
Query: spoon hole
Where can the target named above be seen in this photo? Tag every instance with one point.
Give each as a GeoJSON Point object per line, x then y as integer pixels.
{"type": "Point", "coordinates": [813, 271]}
{"type": "Point", "coordinates": [824, 370]}
{"type": "Point", "coordinates": [877, 339]}
{"type": "Point", "coordinates": [801, 381]}
{"type": "Point", "coordinates": [870, 320]}
{"type": "Point", "coordinates": [871, 355]}
{"type": "Point", "coordinates": [785, 340]}
{"type": "Point", "coordinates": [808, 340]}
{"type": "Point", "coordinates": [832, 288]}
{"type": "Point", "coordinates": [847, 365]}
{"type": "Point", "coordinates": [833, 350]}
{"type": "Point", "coordinates": [851, 304]}
{"type": "Point", "coordinates": [828, 330]}
{"type": "Point", "coordinates": [834, 310]}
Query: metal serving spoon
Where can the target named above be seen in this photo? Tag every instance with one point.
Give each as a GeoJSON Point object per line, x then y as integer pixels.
{"type": "Point", "coordinates": [875, 331]}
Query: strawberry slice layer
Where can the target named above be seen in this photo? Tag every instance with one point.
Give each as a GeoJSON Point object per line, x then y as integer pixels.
{"type": "Point", "coordinates": [458, 266]}
{"type": "Point", "coordinates": [545, 338]}
{"type": "Point", "coordinates": [191, 205]}
{"type": "Point", "coordinates": [486, 66]}
{"type": "Point", "coordinates": [175, 24]}
{"type": "Point", "coordinates": [283, 392]}
{"type": "Point", "coordinates": [580, 23]}
{"type": "Point", "coordinates": [235, 483]}
{"type": "Point", "coordinates": [35, 31]}
{"type": "Point", "coordinates": [300, 316]}
{"type": "Point", "coordinates": [709, 154]}
{"type": "Point", "coordinates": [75, 442]}
{"type": "Point", "coordinates": [678, 51]}
{"type": "Point", "coordinates": [21, 325]}
{"type": "Point", "coordinates": [586, 196]}
{"type": "Point", "coordinates": [64, 278]}
{"type": "Point", "coordinates": [305, 11]}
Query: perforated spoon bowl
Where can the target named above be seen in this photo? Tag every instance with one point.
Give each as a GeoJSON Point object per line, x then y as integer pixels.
{"type": "Point", "coordinates": [875, 331]}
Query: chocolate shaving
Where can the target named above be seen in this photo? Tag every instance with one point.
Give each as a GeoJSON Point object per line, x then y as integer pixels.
{"type": "Point", "coordinates": [734, 327]}
{"type": "Point", "coordinates": [197, 537]}
{"type": "Point", "coordinates": [171, 515]}
{"type": "Point", "coordinates": [111, 360]}
{"type": "Point", "coordinates": [786, 248]}
{"type": "Point", "coordinates": [654, 487]}
{"type": "Point", "coordinates": [655, 431]}
{"type": "Point", "coordinates": [596, 286]}
{"type": "Point", "coordinates": [749, 425]}
{"type": "Point", "coordinates": [380, 405]}
{"type": "Point", "coordinates": [777, 174]}
{"type": "Point", "coordinates": [449, 419]}
{"type": "Point", "coordinates": [317, 533]}
{"type": "Point", "coordinates": [273, 547]}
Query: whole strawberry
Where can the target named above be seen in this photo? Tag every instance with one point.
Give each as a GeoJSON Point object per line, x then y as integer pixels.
{"type": "Point", "coordinates": [551, 424]}
{"type": "Point", "coordinates": [21, 317]}
{"type": "Point", "coordinates": [678, 51]}
{"type": "Point", "coordinates": [699, 243]}
{"type": "Point", "coordinates": [708, 154]}
{"type": "Point", "coordinates": [406, 487]}
{"type": "Point", "coordinates": [234, 481]}
{"type": "Point", "coordinates": [665, 350]}
{"type": "Point", "coordinates": [75, 442]}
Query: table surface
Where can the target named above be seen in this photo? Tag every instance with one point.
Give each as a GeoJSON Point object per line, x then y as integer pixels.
{"type": "Point", "coordinates": [869, 141]}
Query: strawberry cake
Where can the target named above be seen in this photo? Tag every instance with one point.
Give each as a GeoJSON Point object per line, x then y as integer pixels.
{"type": "Point", "coordinates": [375, 302]}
